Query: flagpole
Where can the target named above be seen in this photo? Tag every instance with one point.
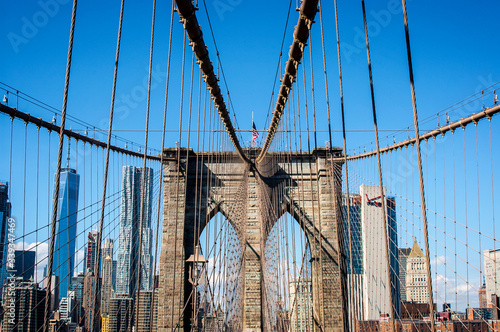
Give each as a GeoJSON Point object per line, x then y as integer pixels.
{"type": "Point", "coordinates": [253, 143]}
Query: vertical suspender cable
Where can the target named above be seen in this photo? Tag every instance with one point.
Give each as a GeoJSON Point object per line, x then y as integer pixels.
{"type": "Point", "coordinates": [58, 171]}
{"type": "Point", "coordinates": [420, 173]}
{"type": "Point", "coordinates": [326, 77]}
{"type": "Point", "coordinates": [104, 185]}
{"type": "Point", "coordinates": [144, 180]}
{"type": "Point", "coordinates": [382, 196]}
{"type": "Point", "coordinates": [351, 307]}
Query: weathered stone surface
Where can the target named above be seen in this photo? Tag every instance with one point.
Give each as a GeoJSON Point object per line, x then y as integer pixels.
{"type": "Point", "coordinates": [307, 186]}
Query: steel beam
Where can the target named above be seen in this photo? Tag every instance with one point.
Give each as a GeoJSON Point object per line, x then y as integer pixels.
{"type": "Point", "coordinates": [474, 118]}
{"type": "Point", "coordinates": [187, 12]}
{"type": "Point", "coordinates": [26, 117]}
{"type": "Point", "coordinates": [308, 11]}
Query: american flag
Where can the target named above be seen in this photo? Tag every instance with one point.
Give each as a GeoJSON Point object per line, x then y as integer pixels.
{"type": "Point", "coordinates": [255, 133]}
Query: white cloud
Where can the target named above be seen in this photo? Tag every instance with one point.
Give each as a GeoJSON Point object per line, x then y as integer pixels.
{"type": "Point", "coordinates": [41, 249]}
{"type": "Point", "coordinates": [461, 294]}
{"type": "Point", "coordinates": [41, 257]}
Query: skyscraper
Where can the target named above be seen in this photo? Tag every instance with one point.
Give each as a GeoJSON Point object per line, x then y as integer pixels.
{"type": "Point", "coordinates": [492, 273]}
{"type": "Point", "coordinates": [107, 248]}
{"type": "Point", "coordinates": [76, 293]}
{"type": "Point", "coordinates": [54, 290]}
{"type": "Point", "coordinates": [403, 257]}
{"type": "Point", "coordinates": [481, 292]}
{"type": "Point", "coordinates": [120, 313]}
{"type": "Point", "coordinates": [416, 276]}
{"type": "Point", "coordinates": [147, 319]}
{"type": "Point", "coordinates": [129, 236]}
{"type": "Point", "coordinates": [25, 264]}
{"type": "Point", "coordinates": [91, 252]}
{"type": "Point", "coordinates": [89, 298]}
{"type": "Point", "coordinates": [5, 208]}
{"type": "Point", "coordinates": [375, 290]}
{"type": "Point", "coordinates": [354, 276]}
{"type": "Point", "coordinates": [107, 284]}
{"type": "Point", "coordinates": [67, 207]}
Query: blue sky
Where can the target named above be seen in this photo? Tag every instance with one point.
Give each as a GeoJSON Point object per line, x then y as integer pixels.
{"type": "Point", "coordinates": [455, 48]}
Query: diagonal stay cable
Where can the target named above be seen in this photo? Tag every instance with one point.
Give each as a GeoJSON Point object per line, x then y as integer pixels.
{"type": "Point", "coordinates": [58, 169]}
{"type": "Point", "coordinates": [105, 179]}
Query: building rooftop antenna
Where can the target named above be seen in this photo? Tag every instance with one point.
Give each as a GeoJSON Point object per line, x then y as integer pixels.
{"type": "Point", "coordinates": [69, 146]}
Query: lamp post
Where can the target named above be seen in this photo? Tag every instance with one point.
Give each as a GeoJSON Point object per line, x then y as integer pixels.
{"type": "Point", "coordinates": [196, 265]}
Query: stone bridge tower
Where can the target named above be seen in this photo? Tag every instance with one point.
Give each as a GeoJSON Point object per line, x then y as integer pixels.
{"type": "Point", "coordinates": [253, 197]}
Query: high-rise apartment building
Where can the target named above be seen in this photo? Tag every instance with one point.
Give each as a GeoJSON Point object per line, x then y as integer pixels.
{"type": "Point", "coordinates": [416, 276]}
{"type": "Point", "coordinates": [5, 208]}
{"type": "Point", "coordinates": [375, 284]}
{"type": "Point", "coordinates": [130, 233]}
{"type": "Point", "coordinates": [67, 207]}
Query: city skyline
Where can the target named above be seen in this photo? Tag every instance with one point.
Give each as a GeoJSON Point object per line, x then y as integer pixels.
{"type": "Point", "coordinates": [414, 129]}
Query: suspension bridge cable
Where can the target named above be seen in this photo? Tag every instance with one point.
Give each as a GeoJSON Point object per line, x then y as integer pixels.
{"type": "Point", "coordinates": [162, 152]}
{"type": "Point", "coordinates": [143, 184]}
{"type": "Point", "coordinates": [105, 180]}
{"type": "Point", "coordinates": [58, 169]}
{"type": "Point", "coordinates": [420, 173]}
{"type": "Point", "coordinates": [382, 195]}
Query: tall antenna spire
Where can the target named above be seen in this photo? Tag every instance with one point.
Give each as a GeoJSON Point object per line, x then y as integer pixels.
{"type": "Point", "coordinates": [69, 145]}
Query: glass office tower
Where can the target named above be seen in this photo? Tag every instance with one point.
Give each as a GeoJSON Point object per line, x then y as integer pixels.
{"type": "Point", "coordinates": [67, 207]}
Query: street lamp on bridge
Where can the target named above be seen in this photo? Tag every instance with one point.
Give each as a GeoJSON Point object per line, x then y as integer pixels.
{"type": "Point", "coordinates": [196, 264]}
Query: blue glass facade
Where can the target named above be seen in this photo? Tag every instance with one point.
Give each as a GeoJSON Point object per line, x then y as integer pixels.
{"type": "Point", "coordinates": [392, 234]}
{"type": "Point", "coordinates": [67, 207]}
{"type": "Point", "coordinates": [355, 234]}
